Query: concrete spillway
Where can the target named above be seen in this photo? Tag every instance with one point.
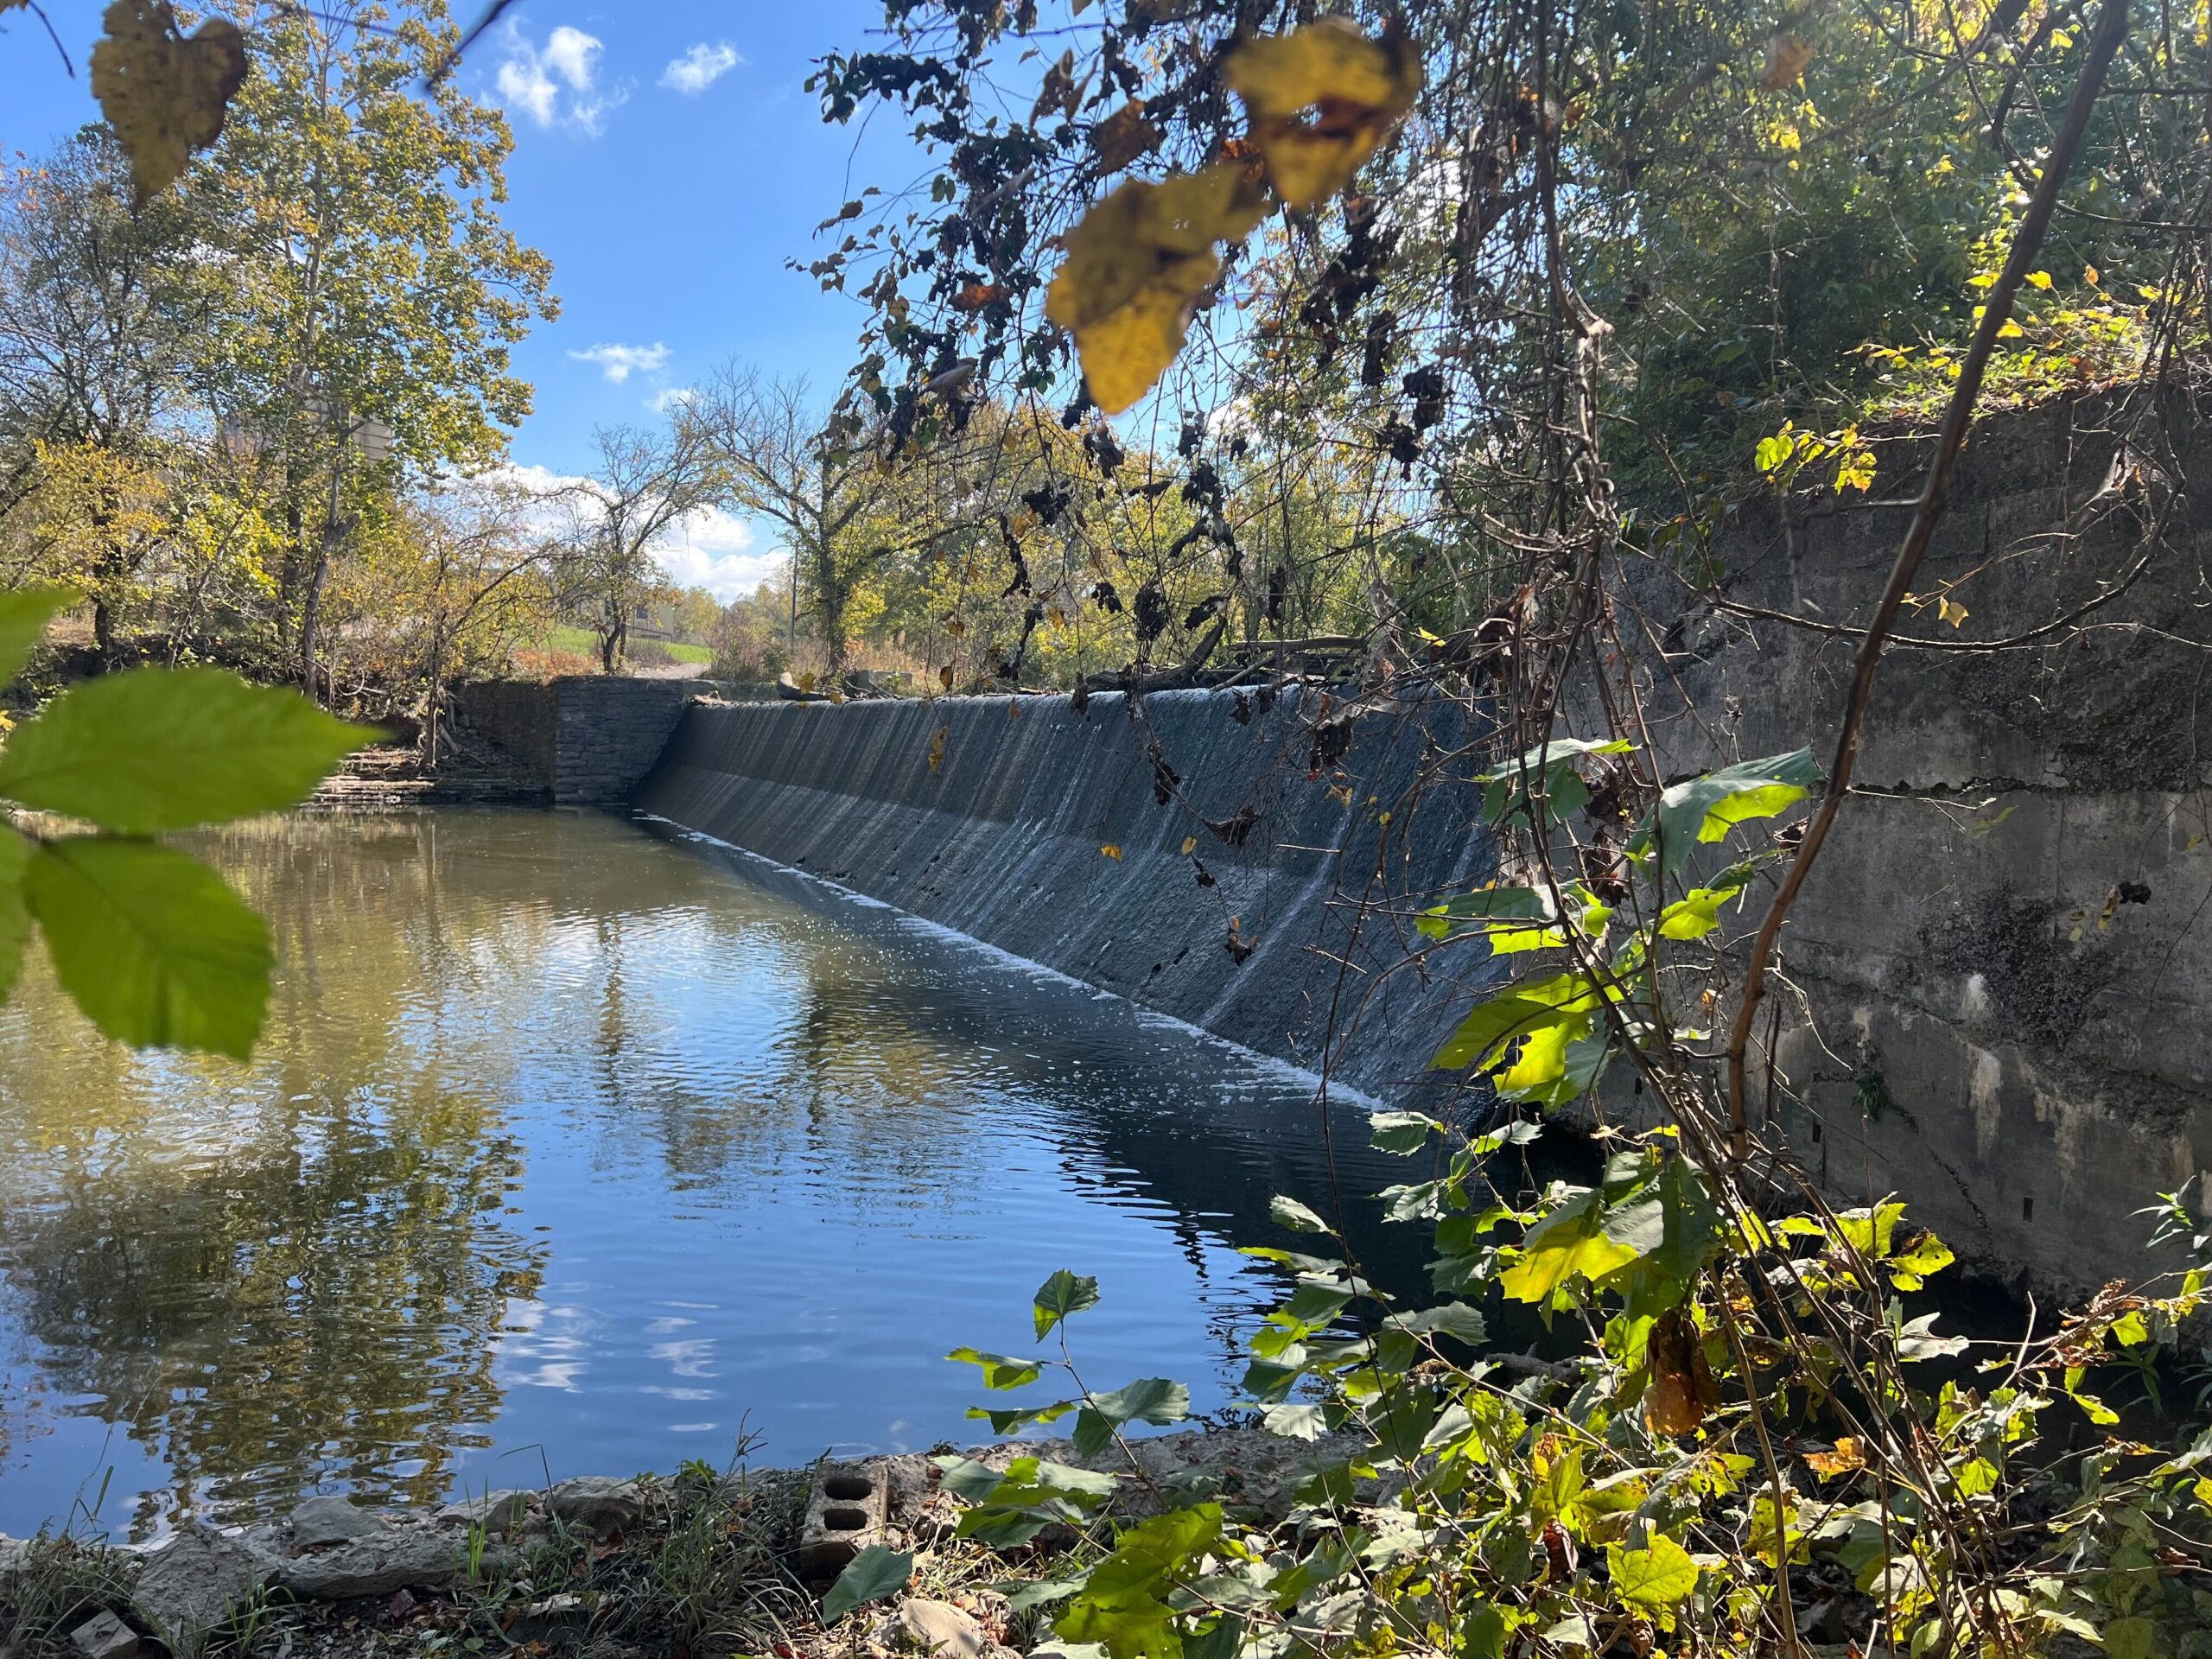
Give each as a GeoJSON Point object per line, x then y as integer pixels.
{"type": "Point", "coordinates": [1039, 827]}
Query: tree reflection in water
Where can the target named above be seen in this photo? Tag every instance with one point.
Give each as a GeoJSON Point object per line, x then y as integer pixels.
{"type": "Point", "coordinates": [562, 1136]}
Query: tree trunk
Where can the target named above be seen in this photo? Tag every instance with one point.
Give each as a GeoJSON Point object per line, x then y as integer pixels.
{"type": "Point", "coordinates": [832, 598]}
{"type": "Point", "coordinates": [431, 726]}
{"type": "Point", "coordinates": [311, 621]}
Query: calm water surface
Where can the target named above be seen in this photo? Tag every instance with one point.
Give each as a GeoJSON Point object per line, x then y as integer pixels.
{"type": "Point", "coordinates": [571, 1147]}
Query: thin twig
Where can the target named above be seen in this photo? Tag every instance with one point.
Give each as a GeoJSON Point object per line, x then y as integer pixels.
{"type": "Point", "coordinates": [447, 60]}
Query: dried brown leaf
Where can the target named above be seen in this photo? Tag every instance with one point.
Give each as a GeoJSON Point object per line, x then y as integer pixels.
{"type": "Point", "coordinates": [1122, 137]}
{"type": "Point", "coordinates": [1786, 58]}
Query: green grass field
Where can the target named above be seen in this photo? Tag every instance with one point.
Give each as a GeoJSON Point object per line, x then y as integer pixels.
{"type": "Point", "coordinates": [584, 643]}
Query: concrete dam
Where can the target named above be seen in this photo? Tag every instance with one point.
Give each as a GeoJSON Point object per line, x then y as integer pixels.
{"type": "Point", "coordinates": [1997, 979]}
{"type": "Point", "coordinates": [1191, 856]}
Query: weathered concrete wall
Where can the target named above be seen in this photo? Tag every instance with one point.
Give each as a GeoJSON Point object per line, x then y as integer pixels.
{"type": "Point", "coordinates": [590, 739]}
{"type": "Point", "coordinates": [1997, 1031]}
{"type": "Point", "coordinates": [1001, 839]}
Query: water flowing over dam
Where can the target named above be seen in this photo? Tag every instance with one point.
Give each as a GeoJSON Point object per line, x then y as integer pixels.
{"type": "Point", "coordinates": [1247, 865]}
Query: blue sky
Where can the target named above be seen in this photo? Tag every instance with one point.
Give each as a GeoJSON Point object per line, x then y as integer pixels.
{"type": "Point", "coordinates": [668, 160]}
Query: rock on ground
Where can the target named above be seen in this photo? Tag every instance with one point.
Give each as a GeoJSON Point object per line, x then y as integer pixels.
{"type": "Point", "coordinates": [319, 1521]}
{"type": "Point", "coordinates": [598, 1502]}
{"type": "Point", "coordinates": [940, 1629]}
{"type": "Point", "coordinates": [192, 1584]}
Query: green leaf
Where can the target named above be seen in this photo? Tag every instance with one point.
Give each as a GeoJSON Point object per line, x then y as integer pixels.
{"type": "Point", "coordinates": [157, 749]}
{"type": "Point", "coordinates": [15, 912]}
{"type": "Point", "coordinates": [1454, 1319]}
{"type": "Point", "coordinates": [1400, 1132]}
{"type": "Point", "coordinates": [1148, 1400]}
{"type": "Point", "coordinates": [871, 1575]}
{"type": "Point", "coordinates": [1294, 1420]}
{"type": "Point", "coordinates": [2130, 1639]}
{"type": "Point", "coordinates": [1006, 1422]}
{"type": "Point", "coordinates": [1289, 1212]}
{"type": "Point", "coordinates": [1022, 1597]}
{"type": "Point", "coordinates": [1061, 1295]}
{"type": "Point", "coordinates": [1693, 1222]}
{"type": "Point", "coordinates": [1910, 1270]}
{"type": "Point", "coordinates": [1482, 1631]}
{"type": "Point", "coordinates": [1696, 914]}
{"type": "Point", "coordinates": [23, 616]}
{"type": "Point", "coordinates": [1125, 1607]}
{"type": "Point", "coordinates": [1315, 1302]}
{"type": "Point", "coordinates": [1705, 809]}
{"type": "Point", "coordinates": [1549, 1011]}
{"type": "Point", "coordinates": [154, 947]}
{"type": "Point", "coordinates": [1654, 1580]}
{"type": "Point", "coordinates": [1000, 1370]}
{"type": "Point", "coordinates": [1569, 1243]}
{"type": "Point", "coordinates": [1475, 913]}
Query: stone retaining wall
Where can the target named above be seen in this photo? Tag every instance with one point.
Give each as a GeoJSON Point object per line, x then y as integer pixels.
{"type": "Point", "coordinates": [590, 739]}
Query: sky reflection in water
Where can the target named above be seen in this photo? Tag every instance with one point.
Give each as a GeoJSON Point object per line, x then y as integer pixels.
{"type": "Point", "coordinates": [569, 1148]}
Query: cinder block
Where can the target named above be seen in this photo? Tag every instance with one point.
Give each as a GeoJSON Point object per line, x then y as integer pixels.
{"type": "Point", "coordinates": [105, 1636]}
{"type": "Point", "coordinates": [847, 1510]}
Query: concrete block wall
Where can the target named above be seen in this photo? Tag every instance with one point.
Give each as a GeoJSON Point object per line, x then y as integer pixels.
{"type": "Point", "coordinates": [609, 733]}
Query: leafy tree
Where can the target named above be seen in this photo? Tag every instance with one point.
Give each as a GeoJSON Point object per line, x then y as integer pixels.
{"type": "Point", "coordinates": [450, 584]}
{"type": "Point", "coordinates": [100, 308]}
{"type": "Point", "coordinates": [645, 482]}
{"type": "Point", "coordinates": [372, 293]}
{"type": "Point", "coordinates": [821, 482]}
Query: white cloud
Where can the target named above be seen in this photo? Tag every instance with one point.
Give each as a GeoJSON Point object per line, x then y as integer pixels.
{"type": "Point", "coordinates": [672, 397]}
{"type": "Point", "coordinates": [700, 67]}
{"type": "Point", "coordinates": [710, 549]}
{"type": "Point", "coordinates": [556, 84]}
{"type": "Point", "coordinates": [713, 549]}
{"type": "Point", "coordinates": [574, 55]}
{"type": "Point", "coordinates": [616, 363]}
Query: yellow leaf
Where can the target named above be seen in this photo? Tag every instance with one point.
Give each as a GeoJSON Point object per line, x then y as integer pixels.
{"type": "Point", "coordinates": [2010, 330]}
{"type": "Point", "coordinates": [1136, 268]}
{"type": "Point", "coordinates": [1847, 1456]}
{"type": "Point", "coordinates": [1110, 850]}
{"type": "Point", "coordinates": [1786, 58]}
{"type": "Point", "coordinates": [1951, 611]}
{"type": "Point", "coordinates": [936, 748]}
{"type": "Point", "coordinates": [165, 95]}
{"type": "Point", "coordinates": [2039, 278]}
{"type": "Point", "coordinates": [1357, 89]}
{"type": "Point", "coordinates": [1189, 845]}
{"type": "Point", "coordinates": [2091, 275]}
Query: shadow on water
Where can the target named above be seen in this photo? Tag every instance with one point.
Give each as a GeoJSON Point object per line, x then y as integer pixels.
{"type": "Point", "coordinates": [570, 1146]}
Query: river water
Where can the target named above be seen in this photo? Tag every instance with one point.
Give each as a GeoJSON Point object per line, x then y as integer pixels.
{"type": "Point", "coordinates": [576, 1146]}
